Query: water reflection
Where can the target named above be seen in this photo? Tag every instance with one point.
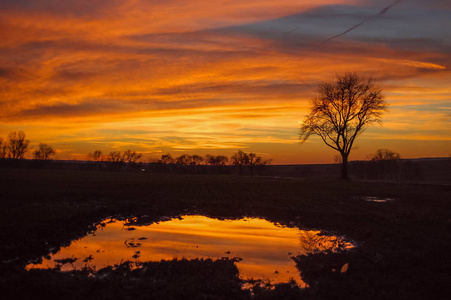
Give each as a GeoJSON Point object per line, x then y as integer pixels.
{"type": "Point", "coordinates": [313, 241]}
{"type": "Point", "coordinates": [377, 199]}
{"type": "Point", "coordinates": [262, 250]}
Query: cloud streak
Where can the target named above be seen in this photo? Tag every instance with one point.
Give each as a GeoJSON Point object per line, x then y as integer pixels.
{"type": "Point", "coordinates": [225, 74]}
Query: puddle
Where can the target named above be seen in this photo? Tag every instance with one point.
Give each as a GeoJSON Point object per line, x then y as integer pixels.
{"type": "Point", "coordinates": [377, 199]}
{"type": "Point", "coordinates": [262, 250]}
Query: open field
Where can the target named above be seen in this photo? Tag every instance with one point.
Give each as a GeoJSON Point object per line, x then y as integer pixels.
{"type": "Point", "coordinates": [402, 245]}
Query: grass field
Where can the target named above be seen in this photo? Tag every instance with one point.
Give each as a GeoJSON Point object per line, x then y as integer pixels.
{"type": "Point", "coordinates": [402, 245]}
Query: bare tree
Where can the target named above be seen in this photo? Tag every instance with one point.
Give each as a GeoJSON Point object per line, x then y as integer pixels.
{"type": "Point", "coordinates": [189, 160]}
{"type": "Point", "coordinates": [183, 159]}
{"type": "Point", "coordinates": [240, 159]}
{"type": "Point", "coordinates": [384, 154]}
{"type": "Point", "coordinates": [95, 156]}
{"type": "Point", "coordinates": [44, 152]}
{"type": "Point", "coordinates": [131, 157]}
{"type": "Point", "coordinates": [115, 157]}
{"type": "Point", "coordinates": [216, 160]}
{"type": "Point", "coordinates": [196, 160]}
{"type": "Point", "coordinates": [341, 111]}
{"type": "Point", "coordinates": [17, 145]}
{"type": "Point", "coordinates": [385, 164]}
{"type": "Point", "coordinates": [167, 159]}
{"type": "Point", "coordinates": [255, 161]}
{"type": "Point", "coordinates": [115, 160]}
{"type": "Point", "coordinates": [3, 148]}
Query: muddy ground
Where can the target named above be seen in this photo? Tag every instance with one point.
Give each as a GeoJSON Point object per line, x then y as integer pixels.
{"type": "Point", "coordinates": [402, 245]}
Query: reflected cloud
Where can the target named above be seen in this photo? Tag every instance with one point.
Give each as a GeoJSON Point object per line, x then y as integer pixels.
{"type": "Point", "coordinates": [262, 247]}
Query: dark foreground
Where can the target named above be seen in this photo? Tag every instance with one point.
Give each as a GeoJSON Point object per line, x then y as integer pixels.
{"type": "Point", "coordinates": [403, 245]}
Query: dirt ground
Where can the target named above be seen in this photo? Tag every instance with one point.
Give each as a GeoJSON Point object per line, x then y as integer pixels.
{"type": "Point", "coordinates": [402, 244]}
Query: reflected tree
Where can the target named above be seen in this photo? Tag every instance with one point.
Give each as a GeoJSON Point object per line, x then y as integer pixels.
{"type": "Point", "coordinates": [313, 241]}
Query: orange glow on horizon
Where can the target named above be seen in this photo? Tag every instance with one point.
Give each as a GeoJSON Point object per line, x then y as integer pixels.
{"type": "Point", "coordinates": [197, 76]}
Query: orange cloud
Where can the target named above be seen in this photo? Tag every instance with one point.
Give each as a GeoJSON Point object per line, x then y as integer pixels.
{"type": "Point", "coordinates": [202, 76]}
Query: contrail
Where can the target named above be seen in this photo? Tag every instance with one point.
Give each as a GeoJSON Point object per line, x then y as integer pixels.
{"type": "Point", "coordinates": [388, 7]}
{"type": "Point", "coordinates": [383, 11]}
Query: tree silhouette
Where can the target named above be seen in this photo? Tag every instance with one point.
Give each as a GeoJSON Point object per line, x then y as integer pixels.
{"type": "Point", "coordinates": [3, 148]}
{"type": "Point", "coordinates": [240, 159]}
{"type": "Point", "coordinates": [384, 154]}
{"type": "Point", "coordinates": [17, 145]}
{"type": "Point", "coordinates": [167, 159]}
{"type": "Point", "coordinates": [115, 157]}
{"type": "Point", "coordinates": [338, 159]}
{"type": "Point", "coordinates": [131, 157]}
{"type": "Point", "coordinates": [255, 161]}
{"type": "Point", "coordinates": [183, 159]}
{"type": "Point", "coordinates": [44, 152]}
{"type": "Point", "coordinates": [216, 160]}
{"type": "Point", "coordinates": [189, 160]}
{"type": "Point", "coordinates": [385, 164]}
{"type": "Point", "coordinates": [341, 111]}
{"type": "Point", "coordinates": [251, 160]}
{"type": "Point", "coordinates": [196, 160]}
{"type": "Point", "coordinates": [95, 156]}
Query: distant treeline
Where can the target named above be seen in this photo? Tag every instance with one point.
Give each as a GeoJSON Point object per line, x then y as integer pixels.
{"type": "Point", "coordinates": [383, 165]}
{"type": "Point", "coordinates": [387, 165]}
{"type": "Point", "coordinates": [16, 145]}
{"type": "Point", "coordinates": [387, 170]}
{"type": "Point", "coordinates": [185, 163]}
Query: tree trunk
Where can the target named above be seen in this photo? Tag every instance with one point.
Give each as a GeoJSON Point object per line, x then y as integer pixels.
{"type": "Point", "coordinates": [344, 166]}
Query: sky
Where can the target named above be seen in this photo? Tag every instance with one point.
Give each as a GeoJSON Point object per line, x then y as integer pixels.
{"type": "Point", "coordinates": [202, 76]}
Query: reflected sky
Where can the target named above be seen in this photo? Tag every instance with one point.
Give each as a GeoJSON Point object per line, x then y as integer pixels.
{"type": "Point", "coordinates": [265, 249]}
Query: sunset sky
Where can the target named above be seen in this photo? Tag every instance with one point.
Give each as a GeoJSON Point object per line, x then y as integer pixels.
{"type": "Point", "coordinates": [214, 77]}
